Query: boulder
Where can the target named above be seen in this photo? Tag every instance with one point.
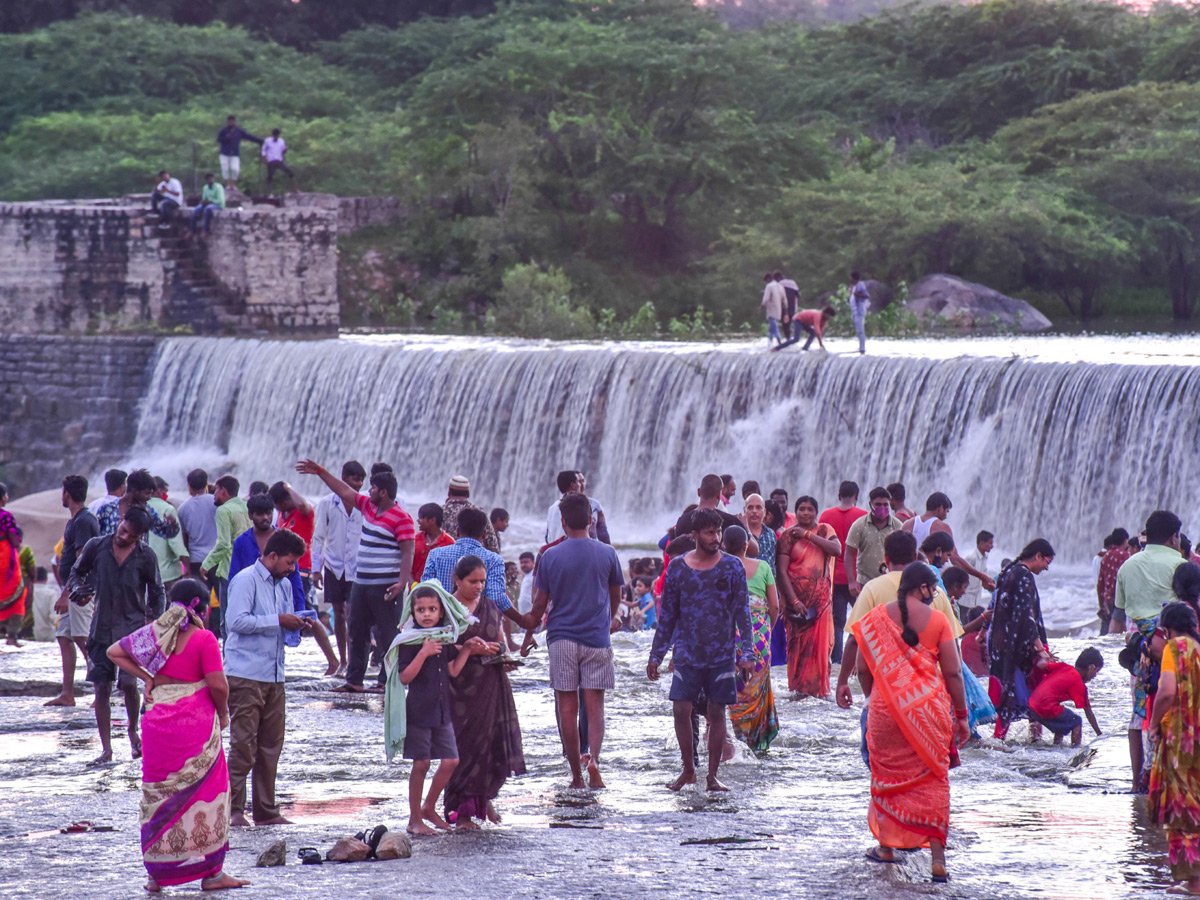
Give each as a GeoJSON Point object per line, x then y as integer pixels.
{"type": "Point", "coordinates": [275, 855]}
{"type": "Point", "coordinates": [394, 845]}
{"type": "Point", "coordinates": [963, 304]}
{"type": "Point", "coordinates": [348, 850]}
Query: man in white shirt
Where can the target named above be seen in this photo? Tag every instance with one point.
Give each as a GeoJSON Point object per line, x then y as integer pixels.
{"type": "Point", "coordinates": [525, 598]}
{"type": "Point", "coordinates": [774, 304]}
{"type": "Point", "coordinates": [114, 483]}
{"type": "Point", "coordinates": [274, 149]}
{"type": "Point", "coordinates": [571, 482]}
{"type": "Point", "coordinates": [167, 196]}
{"type": "Point", "coordinates": [984, 541]}
{"type": "Point", "coordinates": [336, 534]}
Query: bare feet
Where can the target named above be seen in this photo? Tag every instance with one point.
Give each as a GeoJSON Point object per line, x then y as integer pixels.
{"type": "Point", "coordinates": [222, 882]}
{"type": "Point", "coordinates": [341, 671]}
{"type": "Point", "coordinates": [420, 828]}
{"type": "Point", "coordinates": [430, 814]}
{"type": "Point", "coordinates": [492, 815]}
{"type": "Point", "coordinates": [687, 777]}
{"type": "Point", "coordinates": [135, 744]}
{"type": "Point", "coordinates": [239, 820]}
{"type": "Point", "coordinates": [577, 784]}
{"type": "Point", "coordinates": [152, 886]}
{"type": "Point", "coordinates": [333, 668]}
{"type": "Point", "coordinates": [62, 700]}
{"type": "Point", "coordinates": [466, 824]}
{"type": "Point", "coordinates": [711, 784]}
{"type": "Point", "coordinates": [278, 820]}
{"type": "Point", "coordinates": [727, 750]}
{"type": "Point", "coordinates": [102, 760]}
{"type": "Point", "coordinates": [595, 782]}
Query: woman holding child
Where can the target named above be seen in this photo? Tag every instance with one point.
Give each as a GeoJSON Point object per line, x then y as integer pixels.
{"type": "Point", "coordinates": [910, 668]}
{"type": "Point", "coordinates": [482, 708]}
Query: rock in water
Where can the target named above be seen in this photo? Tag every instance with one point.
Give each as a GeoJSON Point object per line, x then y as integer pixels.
{"type": "Point", "coordinates": [348, 850]}
{"type": "Point", "coordinates": [275, 855]}
{"type": "Point", "coordinates": [963, 304]}
{"type": "Point", "coordinates": [395, 845]}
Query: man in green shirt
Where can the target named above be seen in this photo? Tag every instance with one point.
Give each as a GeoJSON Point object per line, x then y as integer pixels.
{"type": "Point", "coordinates": [212, 199]}
{"type": "Point", "coordinates": [232, 520]}
{"type": "Point", "coordinates": [1144, 587]}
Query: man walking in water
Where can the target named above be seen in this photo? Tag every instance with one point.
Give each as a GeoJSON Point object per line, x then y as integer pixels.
{"type": "Point", "coordinates": [74, 619]}
{"type": "Point", "coordinates": [580, 581]}
{"type": "Point", "coordinates": [840, 518]}
{"type": "Point", "coordinates": [121, 572]}
{"type": "Point", "coordinates": [705, 613]}
{"type": "Point", "coordinates": [933, 521]}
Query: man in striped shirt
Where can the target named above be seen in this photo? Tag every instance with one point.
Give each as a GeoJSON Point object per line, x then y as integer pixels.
{"type": "Point", "coordinates": [385, 558]}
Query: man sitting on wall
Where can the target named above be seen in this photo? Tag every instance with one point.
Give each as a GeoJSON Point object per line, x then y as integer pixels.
{"type": "Point", "coordinates": [212, 199]}
{"type": "Point", "coordinates": [167, 196]}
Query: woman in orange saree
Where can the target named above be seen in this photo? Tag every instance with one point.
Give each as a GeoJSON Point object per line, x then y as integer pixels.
{"type": "Point", "coordinates": [910, 668]}
{"type": "Point", "coordinates": [804, 559]}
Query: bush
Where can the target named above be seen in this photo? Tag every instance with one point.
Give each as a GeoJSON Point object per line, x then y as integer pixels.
{"type": "Point", "coordinates": [537, 303]}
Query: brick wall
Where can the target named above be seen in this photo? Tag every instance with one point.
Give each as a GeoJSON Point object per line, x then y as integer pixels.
{"type": "Point", "coordinates": [70, 404]}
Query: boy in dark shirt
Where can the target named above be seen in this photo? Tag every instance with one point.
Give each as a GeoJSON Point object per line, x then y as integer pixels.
{"type": "Point", "coordinates": [1062, 682]}
{"type": "Point", "coordinates": [426, 670]}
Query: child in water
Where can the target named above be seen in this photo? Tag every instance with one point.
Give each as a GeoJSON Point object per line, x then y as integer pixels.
{"type": "Point", "coordinates": [1061, 682]}
{"type": "Point", "coordinates": [425, 670]}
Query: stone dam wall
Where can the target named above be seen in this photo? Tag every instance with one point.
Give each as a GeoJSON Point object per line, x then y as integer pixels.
{"type": "Point", "coordinates": [90, 267]}
{"type": "Point", "coordinates": [70, 404]}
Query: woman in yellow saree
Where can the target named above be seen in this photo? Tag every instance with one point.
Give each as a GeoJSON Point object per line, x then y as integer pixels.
{"type": "Point", "coordinates": [910, 668]}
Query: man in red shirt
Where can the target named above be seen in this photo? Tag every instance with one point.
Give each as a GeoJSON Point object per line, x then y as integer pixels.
{"type": "Point", "coordinates": [814, 321]}
{"type": "Point", "coordinates": [429, 536]}
{"type": "Point", "coordinates": [1062, 682]}
{"type": "Point", "coordinates": [840, 518]}
{"type": "Point", "coordinates": [297, 516]}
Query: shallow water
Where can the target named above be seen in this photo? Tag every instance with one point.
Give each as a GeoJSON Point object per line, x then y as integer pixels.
{"type": "Point", "coordinates": [1026, 821]}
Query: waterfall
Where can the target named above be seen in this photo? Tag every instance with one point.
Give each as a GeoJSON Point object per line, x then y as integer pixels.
{"type": "Point", "coordinates": [1024, 448]}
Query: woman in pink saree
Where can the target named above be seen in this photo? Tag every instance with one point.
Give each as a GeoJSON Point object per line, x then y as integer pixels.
{"type": "Point", "coordinates": [185, 782]}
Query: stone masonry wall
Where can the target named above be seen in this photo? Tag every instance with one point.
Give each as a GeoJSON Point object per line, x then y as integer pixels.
{"type": "Point", "coordinates": [70, 404]}
{"type": "Point", "coordinates": [277, 268]}
{"type": "Point", "coordinates": [70, 268]}
{"type": "Point", "coordinates": [101, 267]}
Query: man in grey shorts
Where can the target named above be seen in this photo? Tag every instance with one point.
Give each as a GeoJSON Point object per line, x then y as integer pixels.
{"type": "Point", "coordinates": [580, 580]}
{"type": "Point", "coordinates": [74, 619]}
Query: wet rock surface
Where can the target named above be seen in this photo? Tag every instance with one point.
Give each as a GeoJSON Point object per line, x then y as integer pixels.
{"type": "Point", "coordinates": [1025, 822]}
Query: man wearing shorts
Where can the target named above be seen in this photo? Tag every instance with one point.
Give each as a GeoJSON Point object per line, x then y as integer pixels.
{"type": "Point", "coordinates": [74, 619]}
{"type": "Point", "coordinates": [229, 141]}
{"type": "Point", "coordinates": [580, 580]}
{"type": "Point", "coordinates": [121, 572]}
{"type": "Point", "coordinates": [705, 607]}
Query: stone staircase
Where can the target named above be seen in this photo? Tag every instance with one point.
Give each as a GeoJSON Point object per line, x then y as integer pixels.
{"type": "Point", "coordinates": [191, 295]}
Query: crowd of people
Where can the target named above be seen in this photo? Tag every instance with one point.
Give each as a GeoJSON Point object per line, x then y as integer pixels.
{"type": "Point", "coordinates": [200, 604]}
{"type": "Point", "coordinates": [167, 199]}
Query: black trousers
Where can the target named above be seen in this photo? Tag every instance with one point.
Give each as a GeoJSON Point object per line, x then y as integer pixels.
{"type": "Point", "coordinates": [842, 601]}
{"type": "Point", "coordinates": [369, 612]}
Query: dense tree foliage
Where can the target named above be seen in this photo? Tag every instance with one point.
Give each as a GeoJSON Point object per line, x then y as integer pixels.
{"type": "Point", "coordinates": [565, 163]}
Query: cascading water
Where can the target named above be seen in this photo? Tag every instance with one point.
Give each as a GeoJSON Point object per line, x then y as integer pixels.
{"type": "Point", "coordinates": [1024, 448]}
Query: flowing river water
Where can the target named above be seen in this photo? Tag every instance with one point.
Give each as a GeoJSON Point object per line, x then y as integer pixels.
{"type": "Point", "coordinates": [1026, 822]}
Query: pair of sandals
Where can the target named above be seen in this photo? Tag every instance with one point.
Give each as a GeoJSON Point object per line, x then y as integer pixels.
{"type": "Point", "coordinates": [371, 837]}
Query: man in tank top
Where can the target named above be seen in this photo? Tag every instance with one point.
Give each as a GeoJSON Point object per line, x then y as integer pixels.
{"type": "Point", "coordinates": [933, 521]}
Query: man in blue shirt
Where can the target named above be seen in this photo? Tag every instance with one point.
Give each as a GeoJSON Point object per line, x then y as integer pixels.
{"type": "Point", "coordinates": [248, 549]}
{"type": "Point", "coordinates": [229, 139]}
{"type": "Point", "coordinates": [259, 613]}
{"type": "Point", "coordinates": [439, 565]}
{"type": "Point", "coordinates": [705, 612]}
{"type": "Point", "coordinates": [579, 579]}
